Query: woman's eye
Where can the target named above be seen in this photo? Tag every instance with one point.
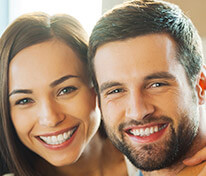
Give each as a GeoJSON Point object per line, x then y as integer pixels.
{"type": "Point", "coordinates": [115, 91]}
{"type": "Point", "coordinates": [24, 101]}
{"type": "Point", "coordinates": [67, 90]}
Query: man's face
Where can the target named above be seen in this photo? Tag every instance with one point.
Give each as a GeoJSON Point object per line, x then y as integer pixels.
{"type": "Point", "coordinates": [147, 104]}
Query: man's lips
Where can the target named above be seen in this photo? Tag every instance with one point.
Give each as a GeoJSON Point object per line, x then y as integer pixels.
{"type": "Point", "coordinates": [146, 133]}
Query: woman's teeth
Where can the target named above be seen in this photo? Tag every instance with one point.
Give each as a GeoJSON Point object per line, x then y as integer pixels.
{"type": "Point", "coordinates": [146, 131]}
{"type": "Point", "coordinates": [54, 140]}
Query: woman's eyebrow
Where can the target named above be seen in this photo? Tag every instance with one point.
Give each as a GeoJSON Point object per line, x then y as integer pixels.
{"type": "Point", "coordinates": [53, 84]}
{"type": "Point", "coordinates": [21, 91]}
{"type": "Point", "coordinates": [62, 79]}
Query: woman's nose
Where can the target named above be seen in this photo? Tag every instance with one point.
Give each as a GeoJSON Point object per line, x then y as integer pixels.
{"type": "Point", "coordinates": [49, 114]}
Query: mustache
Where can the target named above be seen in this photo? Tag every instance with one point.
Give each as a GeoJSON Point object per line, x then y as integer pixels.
{"type": "Point", "coordinates": [152, 119]}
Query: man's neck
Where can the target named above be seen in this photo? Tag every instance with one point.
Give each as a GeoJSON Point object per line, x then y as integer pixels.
{"type": "Point", "coordinates": [174, 170]}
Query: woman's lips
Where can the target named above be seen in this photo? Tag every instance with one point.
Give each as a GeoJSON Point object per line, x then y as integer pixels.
{"type": "Point", "coordinates": [58, 140]}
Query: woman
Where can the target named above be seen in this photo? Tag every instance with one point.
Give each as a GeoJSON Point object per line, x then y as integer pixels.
{"type": "Point", "coordinates": [47, 104]}
{"type": "Point", "coordinates": [48, 119]}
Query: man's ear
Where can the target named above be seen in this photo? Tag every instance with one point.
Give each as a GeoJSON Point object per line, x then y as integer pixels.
{"type": "Point", "coordinates": [201, 86]}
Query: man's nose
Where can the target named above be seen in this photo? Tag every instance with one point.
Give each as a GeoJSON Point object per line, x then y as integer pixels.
{"type": "Point", "coordinates": [137, 107]}
{"type": "Point", "coordinates": [49, 114]}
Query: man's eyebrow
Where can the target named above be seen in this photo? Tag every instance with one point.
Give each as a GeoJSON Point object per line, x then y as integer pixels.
{"type": "Point", "coordinates": [160, 75]}
{"type": "Point", "coordinates": [107, 85]}
{"type": "Point", "coordinates": [157, 75]}
{"type": "Point", "coordinates": [21, 91]}
{"type": "Point", "coordinates": [62, 79]}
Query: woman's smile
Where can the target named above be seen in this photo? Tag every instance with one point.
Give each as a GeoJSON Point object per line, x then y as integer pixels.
{"type": "Point", "coordinates": [58, 140]}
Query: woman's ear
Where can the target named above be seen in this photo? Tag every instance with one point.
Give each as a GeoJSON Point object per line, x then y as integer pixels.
{"type": "Point", "coordinates": [98, 102]}
{"type": "Point", "coordinates": [201, 86]}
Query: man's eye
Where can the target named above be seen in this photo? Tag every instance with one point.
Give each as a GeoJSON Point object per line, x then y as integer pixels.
{"type": "Point", "coordinates": [67, 90]}
{"type": "Point", "coordinates": [158, 84]}
{"type": "Point", "coordinates": [24, 101]}
{"type": "Point", "coordinates": [115, 91]}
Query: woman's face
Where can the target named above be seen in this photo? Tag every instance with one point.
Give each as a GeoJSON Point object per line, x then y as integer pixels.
{"type": "Point", "coordinates": [52, 105]}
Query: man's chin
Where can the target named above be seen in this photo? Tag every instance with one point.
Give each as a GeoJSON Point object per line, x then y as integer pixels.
{"type": "Point", "coordinates": [148, 165]}
{"type": "Point", "coordinates": [152, 156]}
{"type": "Point", "coordinates": [147, 161]}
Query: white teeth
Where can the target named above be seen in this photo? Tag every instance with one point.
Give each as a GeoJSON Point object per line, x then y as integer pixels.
{"type": "Point", "coordinates": [141, 131]}
{"type": "Point", "coordinates": [54, 140]}
{"type": "Point", "coordinates": [151, 130]}
{"type": "Point", "coordinates": [163, 126]}
{"type": "Point", "coordinates": [65, 135]}
{"type": "Point", "coordinates": [156, 129]}
{"type": "Point", "coordinates": [69, 133]}
{"type": "Point", "coordinates": [60, 137]}
{"type": "Point", "coordinates": [137, 132]}
{"type": "Point", "coordinates": [146, 131]}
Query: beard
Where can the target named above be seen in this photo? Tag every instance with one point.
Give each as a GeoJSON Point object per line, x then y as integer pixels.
{"type": "Point", "coordinates": [155, 156]}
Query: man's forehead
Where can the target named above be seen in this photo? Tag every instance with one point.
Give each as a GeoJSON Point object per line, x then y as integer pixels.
{"type": "Point", "coordinates": [145, 54]}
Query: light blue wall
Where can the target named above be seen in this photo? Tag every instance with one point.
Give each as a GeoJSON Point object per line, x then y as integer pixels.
{"type": "Point", "coordinates": [4, 15]}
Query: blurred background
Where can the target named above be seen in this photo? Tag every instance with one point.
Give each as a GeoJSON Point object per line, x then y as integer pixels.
{"type": "Point", "coordinates": [89, 11]}
{"type": "Point", "coordinates": [194, 9]}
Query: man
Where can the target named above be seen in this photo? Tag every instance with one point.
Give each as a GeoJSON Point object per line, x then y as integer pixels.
{"type": "Point", "coordinates": [147, 63]}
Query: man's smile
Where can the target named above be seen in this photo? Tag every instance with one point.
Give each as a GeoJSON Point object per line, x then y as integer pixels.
{"type": "Point", "coordinates": [146, 133]}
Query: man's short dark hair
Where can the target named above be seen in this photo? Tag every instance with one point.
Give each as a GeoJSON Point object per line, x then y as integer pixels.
{"type": "Point", "coordinates": [142, 17]}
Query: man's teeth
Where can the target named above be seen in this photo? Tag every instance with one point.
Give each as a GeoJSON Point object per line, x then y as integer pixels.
{"type": "Point", "coordinates": [146, 131]}
{"type": "Point", "coordinates": [54, 140]}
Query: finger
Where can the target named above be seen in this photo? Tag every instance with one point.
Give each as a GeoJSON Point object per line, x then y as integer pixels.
{"type": "Point", "coordinates": [197, 158]}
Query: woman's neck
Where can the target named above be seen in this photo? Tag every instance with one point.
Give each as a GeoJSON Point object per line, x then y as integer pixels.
{"type": "Point", "coordinates": [100, 158]}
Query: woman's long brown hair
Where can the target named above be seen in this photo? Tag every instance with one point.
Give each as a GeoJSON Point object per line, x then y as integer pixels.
{"type": "Point", "coordinates": [26, 31]}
